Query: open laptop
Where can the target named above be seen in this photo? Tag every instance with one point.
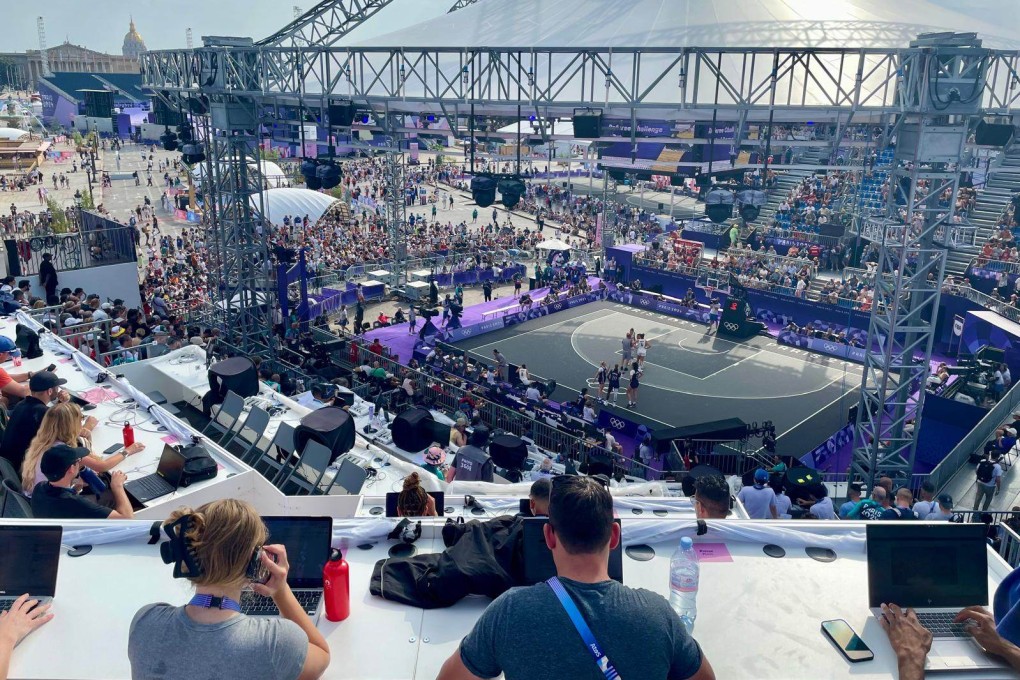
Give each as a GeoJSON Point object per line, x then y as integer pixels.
{"type": "Point", "coordinates": [307, 540]}
{"type": "Point", "coordinates": [391, 502]}
{"type": "Point", "coordinates": [937, 570]}
{"type": "Point", "coordinates": [35, 569]}
{"type": "Point", "coordinates": [538, 559]}
{"type": "Point", "coordinates": [163, 481]}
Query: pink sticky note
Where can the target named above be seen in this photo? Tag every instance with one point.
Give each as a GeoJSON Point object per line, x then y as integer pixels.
{"type": "Point", "coordinates": [712, 552]}
{"type": "Point", "coordinates": [66, 360]}
{"type": "Point", "coordinates": [170, 439]}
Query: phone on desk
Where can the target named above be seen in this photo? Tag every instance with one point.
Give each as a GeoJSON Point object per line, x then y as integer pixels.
{"type": "Point", "coordinates": [847, 641]}
{"type": "Point", "coordinates": [113, 449]}
{"type": "Point", "coordinates": [51, 368]}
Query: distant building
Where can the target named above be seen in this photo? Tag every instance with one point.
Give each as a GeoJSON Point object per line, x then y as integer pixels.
{"type": "Point", "coordinates": [133, 43]}
{"type": "Point", "coordinates": [27, 67]}
{"type": "Point", "coordinates": [63, 98]}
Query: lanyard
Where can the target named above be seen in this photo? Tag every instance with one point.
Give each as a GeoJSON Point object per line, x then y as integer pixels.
{"type": "Point", "coordinates": [582, 629]}
{"type": "Point", "coordinates": [211, 602]}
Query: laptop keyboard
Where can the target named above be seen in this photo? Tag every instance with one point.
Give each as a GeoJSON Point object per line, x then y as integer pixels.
{"type": "Point", "coordinates": [254, 604]}
{"type": "Point", "coordinates": [151, 486]}
{"type": "Point", "coordinates": [5, 605]}
{"type": "Point", "coordinates": [941, 624]}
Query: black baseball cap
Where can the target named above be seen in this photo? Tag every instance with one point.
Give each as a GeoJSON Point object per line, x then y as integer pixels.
{"type": "Point", "coordinates": [58, 458]}
{"type": "Point", "coordinates": [44, 380]}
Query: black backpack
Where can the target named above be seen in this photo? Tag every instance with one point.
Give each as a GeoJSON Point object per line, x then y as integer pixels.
{"type": "Point", "coordinates": [198, 465]}
{"type": "Point", "coordinates": [985, 471]}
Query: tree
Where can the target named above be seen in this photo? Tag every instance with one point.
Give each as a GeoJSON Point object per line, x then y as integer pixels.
{"type": "Point", "coordinates": [59, 221]}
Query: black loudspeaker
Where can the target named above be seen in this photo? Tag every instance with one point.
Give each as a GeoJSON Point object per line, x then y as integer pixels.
{"type": "Point", "coordinates": [98, 104]}
{"type": "Point", "coordinates": [331, 426]}
{"type": "Point", "coordinates": [479, 436]}
{"type": "Point", "coordinates": [27, 341]}
{"type": "Point", "coordinates": [587, 125]}
{"type": "Point", "coordinates": [508, 452]}
{"type": "Point", "coordinates": [236, 374]}
{"type": "Point", "coordinates": [341, 115]}
{"type": "Point", "coordinates": [408, 430]}
{"type": "Point", "coordinates": [992, 134]}
{"type": "Point", "coordinates": [473, 465]}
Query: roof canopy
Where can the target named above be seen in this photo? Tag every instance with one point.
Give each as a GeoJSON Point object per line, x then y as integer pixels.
{"type": "Point", "coordinates": [280, 203]}
{"type": "Point", "coordinates": [12, 134]}
{"type": "Point", "coordinates": [712, 23]}
{"type": "Point", "coordinates": [553, 244]}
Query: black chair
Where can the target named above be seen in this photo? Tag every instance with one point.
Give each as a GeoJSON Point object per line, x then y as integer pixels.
{"type": "Point", "coordinates": [7, 471]}
{"type": "Point", "coordinates": [14, 504]}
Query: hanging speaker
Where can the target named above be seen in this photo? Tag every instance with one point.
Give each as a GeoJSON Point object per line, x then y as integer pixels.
{"type": "Point", "coordinates": [587, 125]}
{"type": "Point", "coordinates": [341, 115]}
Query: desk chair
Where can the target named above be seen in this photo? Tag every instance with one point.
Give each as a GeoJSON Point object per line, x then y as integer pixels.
{"type": "Point", "coordinates": [315, 458]}
{"type": "Point", "coordinates": [7, 471]}
{"type": "Point", "coordinates": [256, 423]}
{"type": "Point", "coordinates": [232, 407]}
{"type": "Point", "coordinates": [351, 477]}
{"type": "Point", "coordinates": [277, 465]}
{"type": "Point", "coordinates": [13, 503]}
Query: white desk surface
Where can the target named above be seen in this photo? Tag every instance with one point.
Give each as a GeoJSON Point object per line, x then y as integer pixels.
{"type": "Point", "coordinates": [773, 607]}
{"type": "Point", "coordinates": [379, 273]}
{"type": "Point", "coordinates": [371, 282]}
{"type": "Point", "coordinates": [421, 273]}
{"type": "Point", "coordinates": [111, 416]}
{"type": "Point", "coordinates": [417, 284]}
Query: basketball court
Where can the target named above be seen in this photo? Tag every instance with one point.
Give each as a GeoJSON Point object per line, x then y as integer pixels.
{"type": "Point", "coordinates": [689, 377]}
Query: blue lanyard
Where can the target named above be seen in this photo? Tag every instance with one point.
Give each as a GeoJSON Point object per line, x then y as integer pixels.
{"type": "Point", "coordinates": [582, 629]}
{"type": "Point", "coordinates": [210, 602]}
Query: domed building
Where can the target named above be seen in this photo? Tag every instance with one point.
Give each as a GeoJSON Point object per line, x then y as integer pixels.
{"type": "Point", "coordinates": [133, 43]}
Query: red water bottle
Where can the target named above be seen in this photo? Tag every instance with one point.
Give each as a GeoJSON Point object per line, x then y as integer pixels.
{"type": "Point", "coordinates": [129, 435]}
{"type": "Point", "coordinates": [336, 578]}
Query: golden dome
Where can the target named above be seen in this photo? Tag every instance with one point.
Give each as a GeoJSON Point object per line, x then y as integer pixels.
{"type": "Point", "coordinates": [134, 45]}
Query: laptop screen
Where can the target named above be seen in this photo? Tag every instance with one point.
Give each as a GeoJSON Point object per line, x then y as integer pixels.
{"type": "Point", "coordinates": [391, 502]}
{"type": "Point", "coordinates": [307, 540]}
{"type": "Point", "coordinates": [171, 465]}
{"type": "Point", "coordinates": [538, 559]}
{"type": "Point", "coordinates": [927, 565]}
{"type": "Point", "coordinates": [34, 570]}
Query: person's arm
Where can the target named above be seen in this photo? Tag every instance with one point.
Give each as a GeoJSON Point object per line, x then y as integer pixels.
{"type": "Point", "coordinates": [317, 657]}
{"type": "Point", "coordinates": [122, 504]}
{"type": "Point", "coordinates": [24, 616]}
{"type": "Point", "coordinates": [15, 389]}
{"type": "Point", "coordinates": [985, 634]}
{"type": "Point", "coordinates": [97, 464]}
{"type": "Point", "coordinates": [909, 639]}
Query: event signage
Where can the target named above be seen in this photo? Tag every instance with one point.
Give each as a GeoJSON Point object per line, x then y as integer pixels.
{"type": "Point", "coordinates": [621, 127]}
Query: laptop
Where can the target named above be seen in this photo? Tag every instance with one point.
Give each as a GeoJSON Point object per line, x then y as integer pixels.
{"type": "Point", "coordinates": [35, 570]}
{"type": "Point", "coordinates": [538, 559]}
{"type": "Point", "coordinates": [391, 502]}
{"type": "Point", "coordinates": [163, 481]}
{"type": "Point", "coordinates": [937, 570]}
{"type": "Point", "coordinates": [307, 540]}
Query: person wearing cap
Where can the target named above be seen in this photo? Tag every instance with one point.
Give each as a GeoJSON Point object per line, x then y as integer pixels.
{"type": "Point", "coordinates": [27, 416]}
{"type": "Point", "coordinates": [56, 497]}
{"type": "Point", "coordinates": [12, 384]}
{"type": "Point", "coordinates": [759, 500]}
{"type": "Point", "coordinates": [927, 504]}
{"type": "Point", "coordinates": [157, 346]}
{"type": "Point", "coordinates": [943, 511]}
{"type": "Point", "coordinates": [435, 462]}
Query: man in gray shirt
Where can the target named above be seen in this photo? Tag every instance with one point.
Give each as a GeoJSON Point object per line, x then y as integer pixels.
{"type": "Point", "coordinates": [526, 632]}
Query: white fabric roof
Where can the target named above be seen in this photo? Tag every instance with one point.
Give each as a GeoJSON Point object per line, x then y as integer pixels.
{"type": "Point", "coordinates": [12, 134]}
{"type": "Point", "coordinates": [709, 23]}
{"type": "Point", "coordinates": [553, 244]}
{"type": "Point", "coordinates": [280, 203]}
{"type": "Point", "coordinates": [270, 171]}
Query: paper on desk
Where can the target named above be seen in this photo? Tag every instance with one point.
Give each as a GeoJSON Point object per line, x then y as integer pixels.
{"type": "Point", "coordinates": [712, 552]}
{"type": "Point", "coordinates": [65, 360]}
{"type": "Point", "coordinates": [170, 439]}
{"type": "Point", "coordinates": [97, 395]}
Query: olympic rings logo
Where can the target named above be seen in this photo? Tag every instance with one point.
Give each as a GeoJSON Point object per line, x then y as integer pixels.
{"type": "Point", "coordinates": [730, 326]}
{"type": "Point", "coordinates": [616, 423]}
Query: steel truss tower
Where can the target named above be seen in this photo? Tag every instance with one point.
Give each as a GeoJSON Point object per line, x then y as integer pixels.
{"type": "Point", "coordinates": [243, 297]}
{"type": "Point", "coordinates": [396, 216]}
{"type": "Point", "coordinates": [940, 91]}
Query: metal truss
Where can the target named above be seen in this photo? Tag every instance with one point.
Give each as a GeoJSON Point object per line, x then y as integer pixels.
{"type": "Point", "coordinates": [798, 83]}
{"type": "Point", "coordinates": [243, 295]}
{"type": "Point", "coordinates": [396, 215]}
{"type": "Point", "coordinates": [326, 23]}
{"type": "Point", "coordinates": [460, 4]}
{"type": "Point", "coordinates": [942, 91]}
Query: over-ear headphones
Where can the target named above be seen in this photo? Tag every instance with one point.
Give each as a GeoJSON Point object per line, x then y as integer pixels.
{"type": "Point", "coordinates": [178, 551]}
{"type": "Point", "coordinates": [406, 532]}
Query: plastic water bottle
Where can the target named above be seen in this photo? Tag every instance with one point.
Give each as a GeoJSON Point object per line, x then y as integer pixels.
{"type": "Point", "coordinates": [684, 574]}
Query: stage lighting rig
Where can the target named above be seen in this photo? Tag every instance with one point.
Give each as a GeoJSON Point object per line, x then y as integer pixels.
{"type": "Point", "coordinates": [169, 140]}
{"type": "Point", "coordinates": [511, 189]}
{"type": "Point", "coordinates": [192, 153]}
{"type": "Point", "coordinates": [483, 190]}
{"type": "Point", "coordinates": [328, 173]}
{"type": "Point", "coordinates": [309, 170]}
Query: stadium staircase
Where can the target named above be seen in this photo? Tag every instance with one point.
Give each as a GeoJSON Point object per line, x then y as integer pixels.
{"type": "Point", "coordinates": [1002, 184]}
{"type": "Point", "coordinates": [786, 181]}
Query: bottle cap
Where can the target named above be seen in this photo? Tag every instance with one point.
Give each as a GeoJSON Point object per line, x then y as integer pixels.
{"type": "Point", "coordinates": [686, 543]}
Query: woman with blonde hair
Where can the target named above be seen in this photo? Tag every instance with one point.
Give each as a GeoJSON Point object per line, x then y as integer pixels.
{"type": "Point", "coordinates": [219, 548]}
{"type": "Point", "coordinates": [63, 424]}
{"type": "Point", "coordinates": [413, 500]}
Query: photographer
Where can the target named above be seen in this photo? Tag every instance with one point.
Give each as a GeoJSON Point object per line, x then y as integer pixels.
{"type": "Point", "coordinates": [209, 637]}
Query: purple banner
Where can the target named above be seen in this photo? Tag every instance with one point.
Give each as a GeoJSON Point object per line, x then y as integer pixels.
{"type": "Point", "coordinates": [828, 347]}
{"type": "Point", "coordinates": [827, 452]}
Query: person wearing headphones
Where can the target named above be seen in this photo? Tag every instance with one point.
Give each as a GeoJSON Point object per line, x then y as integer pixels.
{"type": "Point", "coordinates": [222, 553]}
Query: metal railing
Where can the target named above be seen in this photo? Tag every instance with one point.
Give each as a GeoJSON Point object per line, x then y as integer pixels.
{"type": "Point", "coordinates": [995, 265]}
{"type": "Point", "coordinates": [1009, 545]}
{"type": "Point", "coordinates": [999, 306]}
{"type": "Point", "coordinates": [79, 250]}
{"type": "Point", "coordinates": [974, 440]}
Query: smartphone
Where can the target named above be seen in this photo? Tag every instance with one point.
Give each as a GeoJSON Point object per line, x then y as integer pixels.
{"type": "Point", "coordinates": [257, 572]}
{"type": "Point", "coordinates": [113, 449]}
{"type": "Point", "coordinates": [848, 642]}
{"type": "Point", "coordinates": [51, 368]}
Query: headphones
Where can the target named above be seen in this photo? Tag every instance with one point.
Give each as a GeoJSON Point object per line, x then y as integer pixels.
{"type": "Point", "coordinates": [406, 532]}
{"type": "Point", "coordinates": [178, 551]}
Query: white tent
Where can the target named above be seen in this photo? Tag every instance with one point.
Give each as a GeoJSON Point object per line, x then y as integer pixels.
{"type": "Point", "coordinates": [271, 172]}
{"type": "Point", "coordinates": [12, 134]}
{"type": "Point", "coordinates": [553, 244]}
{"type": "Point", "coordinates": [280, 203]}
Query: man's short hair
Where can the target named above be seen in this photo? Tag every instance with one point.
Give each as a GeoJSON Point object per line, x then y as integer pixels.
{"type": "Point", "coordinates": [540, 490]}
{"type": "Point", "coordinates": [856, 488]}
{"type": "Point", "coordinates": [928, 487]}
{"type": "Point", "coordinates": [581, 514]}
{"type": "Point", "coordinates": [713, 491]}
